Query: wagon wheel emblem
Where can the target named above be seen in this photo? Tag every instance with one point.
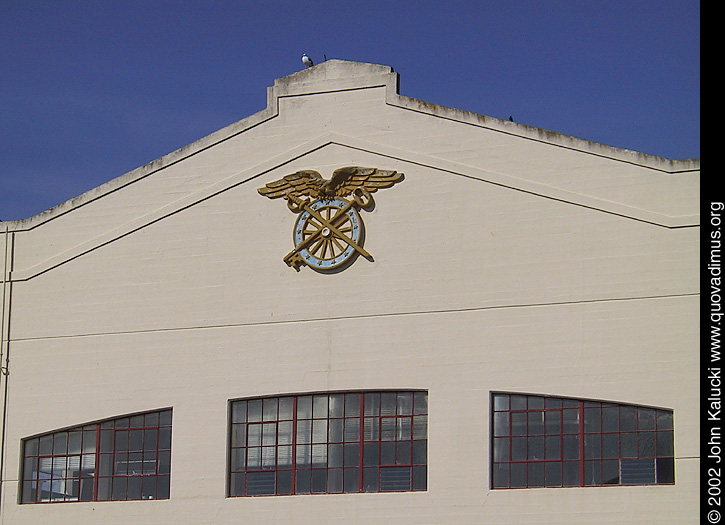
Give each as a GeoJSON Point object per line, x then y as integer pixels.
{"type": "Point", "coordinates": [329, 232]}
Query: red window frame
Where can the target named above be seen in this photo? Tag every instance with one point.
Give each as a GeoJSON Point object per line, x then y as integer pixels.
{"type": "Point", "coordinates": [545, 441]}
{"type": "Point", "coordinates": [124, 458]}
{"type": "Point", "coordinates": [328, 443]}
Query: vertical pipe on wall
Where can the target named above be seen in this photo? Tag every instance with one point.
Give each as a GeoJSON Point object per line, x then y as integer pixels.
{"type": "Point", "coordinates": [4, 355]}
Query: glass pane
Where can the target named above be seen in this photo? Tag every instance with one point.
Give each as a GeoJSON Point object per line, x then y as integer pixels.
{"type": "Point", "coordinates": [286, 408]}
{"type": "Point", "coordinates": [284, 482]}
{"type": "Point", "coordinates": [518, 475]}
{"type": "Point", "coordinates": [610, 472]}
{"type": "Point", "coordinates": [165, 462]}
{"type": "Point", "coordinates": [372, 404]}
{"type": "Point", "coordinates": [420, 403]}
{"type": "Point", "coordinates": [420, 427]}
{"type": "Point", "coordinates": [60, 443]}
{"type": "Point", "coordinates": [303, 479]}
{"type": "Point", "coordinates": [610, 445]}
{"type": "Point", "coordinates": [119, 488]}
{"type": "Point", "coordinates": [664, 420]}
{"type": "Point", "coordinates": [645, 444]}
{"type": "Point", "coordinates": [593, 446]}
{"type": "Point", "coordinates": [269, 409]}
{"type": "Point", "coordinates": [420, 478]}
{"type": "Point", "coordinates": [165, 418]}
{"type": "Point", "coordinates": [320, 407]}
{"type": "Point", "coordinates": [536, 447]}
{"type": "Point", "coordinates": [553, 447]}
{"type": "Point", "coordinates": [665, 470]}
{"type": "Point", "coordinates": [500, 402]}
{"type": "Point", "coordinates": [236, 485]}
{"type": "Point", "coordinates": [610, 419]}
{"type": "Point", "coordinates": [420, 452]}
{"type": "Point", "coordinates": [501, 424]}
{"type": "Point", "coordinates": [665, 445]}
{"type": "Point", "coordinates": [628, 445]}
{"type": "Point", "coordinates": [592, 419]}
{"type": "Point", "coordinates": [319, 481]}
{"type": "Point", "coordinates": [501, 475]}
{"type": "Point", "coordinates": [46, 445]}
{"type": "Point", "coordinates": [501, 449]}
{"type": "Point", "coordinates": [254, 435]}
{"type": "Point", "coordinates": [134, 487]}
{"type": "Point", "coordinates": [238, 459]}
{"type": "Point", "coordinates": [165, 437]}
{"type": "Point", "coordinates": [370, 479]}
{"type": "Point", "coordinates": [571, 420]}
{"type": "Point", "coordinates": [334, 455]}
{"type": "Point", "coordinates": [371, 454]}
{"type": "Point", "coordinates": [536, 422]}
{"type": "Point", "coordinates": [518, 448]}
{"type": "Point", "coordinates": [372, 429]}
{"type": "Point", "coordinates": [304, 431]}
{"type": "Point", "coordinates": [304, 455]}
{"type": "Point", "coordinates": [74, 442]}
{"type": "Point", "coordinates": [304, 407]}
{"type": "Point", "coordinates": [627, 418]}
{"type": "Point", "coordinates": [136, 441]}
{"type": "Point", "coordinates": [136, 421]}
{"type": "Point", "coordinates": [352, 405]}
{"type": "Point", "coordinates": [405, 404]}
{"type": "Point", "coordinates": [536, 402]}
{"type": "Point", "coordinates": [387, 404]}
{"type": "Point", "coordinates": [334, 480]}
{"type": "Point", "coordinates": [284, 456]}
{"type": "Point", "coordinates": [535, 474]}
{"type": "Point", "coordinates": [553, 474]}
{"type": "Point", "coordinates": [552, 421]}
{"type": "Point", "coordinates": [518, 423]}
{"type": "Point", "coordinates": [284, 433]}
{"type": "Point", "coordinates": [571, 473]}
{"type": "Point", "coordinates": [351, 480]}
{"type": "Point", "coordinates": [646, 419]}
{"type": "Point", "coordinates": [319, 430]}
{"type": "Point", "coordinates": [571, 446]}
{"type": "Point", "coordinates": [89, 441]}
{"type": "Point", "coordinates": [352, 454]}
{"type": "Point", "coordinates": [269, 434]}
{"type": "Point", "coordinates": [387, 432]}
{"type": "Point", "coordinates": [352, 429]}
{"type": "Point", "coordinates": [254, 410]}
{"type": "Point", "coordinates": [552, 402]}
{"type": "Point", "coordinates": [337, 406]}
{"type": "Point", "coordinates": [152, 419]}
{"type": "Point", "coordinates": [592, 473]}
{"type": "Point", "coordinates": [403, 452]}
{"type": "Point", "coordinates": [518, 402]}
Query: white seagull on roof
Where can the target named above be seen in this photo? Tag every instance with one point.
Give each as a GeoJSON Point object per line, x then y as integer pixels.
{"type": "Point", "coordinates": [307, 61]}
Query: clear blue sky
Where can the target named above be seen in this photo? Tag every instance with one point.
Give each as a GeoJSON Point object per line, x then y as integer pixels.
{"type": "Point", "coordinates": [92, 89]}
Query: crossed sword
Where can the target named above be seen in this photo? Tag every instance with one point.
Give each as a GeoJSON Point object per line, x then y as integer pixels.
{"type": "Point", "coordinates": [294, 258]}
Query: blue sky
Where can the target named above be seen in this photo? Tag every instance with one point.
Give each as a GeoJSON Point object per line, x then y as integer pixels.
{"type": "Point", "coordinates": [92, 89]}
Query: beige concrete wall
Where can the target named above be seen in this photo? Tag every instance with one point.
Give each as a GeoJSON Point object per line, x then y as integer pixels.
{"type": "Point", "coordinates": [508, 259]}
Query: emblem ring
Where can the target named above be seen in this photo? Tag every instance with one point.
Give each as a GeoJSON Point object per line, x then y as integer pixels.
{"type": "Point", "coordinates": [328, 250]}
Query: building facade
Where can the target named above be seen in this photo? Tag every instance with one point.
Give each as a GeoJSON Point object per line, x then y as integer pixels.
{"type": "Point", "coordinates": [355, 306]}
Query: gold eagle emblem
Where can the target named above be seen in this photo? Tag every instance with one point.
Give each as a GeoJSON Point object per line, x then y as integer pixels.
{"type": "Point", "coordinates": [328, 233]}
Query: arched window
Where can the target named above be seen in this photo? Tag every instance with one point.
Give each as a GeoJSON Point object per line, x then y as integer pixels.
{"type": "Point", "coordinates": [125, 458]}
{"type": "Point", "coordinates": [540, 441]}
{"type": "Point", "coordinates": [344, 442]}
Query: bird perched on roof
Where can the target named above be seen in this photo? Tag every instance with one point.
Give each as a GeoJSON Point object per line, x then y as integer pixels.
{"type": "Point", "coordinates": [307, 61]}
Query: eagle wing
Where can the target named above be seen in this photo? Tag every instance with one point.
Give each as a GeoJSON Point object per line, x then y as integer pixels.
{"type": "Point", "coordinates": [346, 180]}
{"type": "Point", "coordinates": [305, 182]}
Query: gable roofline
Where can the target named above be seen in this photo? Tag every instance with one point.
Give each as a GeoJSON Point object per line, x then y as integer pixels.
{"type": "Point", "coordinates": [341, 75]}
